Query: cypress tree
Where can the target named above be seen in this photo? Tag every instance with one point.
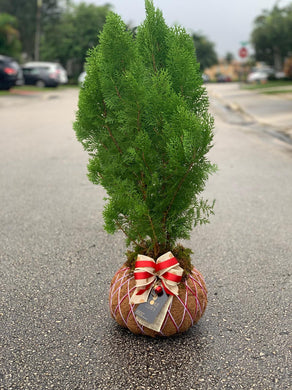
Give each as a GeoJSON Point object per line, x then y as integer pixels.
{"type": "Point", "coordinates": [143, 118]}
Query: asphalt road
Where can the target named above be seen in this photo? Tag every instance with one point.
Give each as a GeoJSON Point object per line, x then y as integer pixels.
{"type": "Point", "coordinates": [272, 111]}
{"type": "Point", "coordinates": [57, 263]}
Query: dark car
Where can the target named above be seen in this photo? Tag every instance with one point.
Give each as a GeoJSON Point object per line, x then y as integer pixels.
{"type": "Point", "coordinates": [41, 76]}
{"type": "Point", "coordinates": [222, 78]}
{"type": "Point", "coordinates": [10, 73]}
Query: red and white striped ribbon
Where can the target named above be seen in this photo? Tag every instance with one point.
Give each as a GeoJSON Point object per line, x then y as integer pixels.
{"type": "Point", "coordinates": [147, 271]}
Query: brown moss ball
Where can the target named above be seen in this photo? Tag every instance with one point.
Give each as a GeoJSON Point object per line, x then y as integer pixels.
{"type": "Point", "coordinates": [185, 310]}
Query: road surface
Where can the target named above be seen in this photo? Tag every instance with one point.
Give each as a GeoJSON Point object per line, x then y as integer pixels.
{"type": "Point", "coordinates": [273, 112]}
{"type": "Point", "coordinates": [56, 265]}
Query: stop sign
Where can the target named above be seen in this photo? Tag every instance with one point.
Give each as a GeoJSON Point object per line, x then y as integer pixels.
{"type": "Point", "coordinates": [243, 52]}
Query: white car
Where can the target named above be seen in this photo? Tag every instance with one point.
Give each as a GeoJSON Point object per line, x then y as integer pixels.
{"type": "Point", "coordinates": [52, 68]}
{"type": "Point", "coordinates": [258, 76]}
{"type": "Point", "coordinates": [205, 78]}
{"type": "Point", "coordinates": [81, 78]}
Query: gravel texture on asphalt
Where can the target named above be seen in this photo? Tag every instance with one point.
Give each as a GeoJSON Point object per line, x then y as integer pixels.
{"type": "Point", "coordinates": [56, 264]}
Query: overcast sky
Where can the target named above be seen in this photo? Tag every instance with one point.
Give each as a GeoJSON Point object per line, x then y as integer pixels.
{"type": "Point", "coordinates": [224, 22]}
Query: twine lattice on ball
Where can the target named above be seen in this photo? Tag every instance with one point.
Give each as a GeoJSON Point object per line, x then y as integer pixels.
{"type": "Point", "coordinates": [185, 310]}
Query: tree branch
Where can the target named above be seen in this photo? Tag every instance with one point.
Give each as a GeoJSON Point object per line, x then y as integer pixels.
{"type": "Point", "coordinates": [179, 187]}
{"type": "Point", "coordinates": [143, 156]}
{"type": "Point", "coordinates": [156, 245]}
{"type": "Point", "coordinates": [103, 145]}
{"type": "Point", "coordinates": [117, 91]}
{"type": "Point", "coordinates": [127, 219]}
{"type": "Point", "coordinates": [126, 234]}
{"type": "Point", "coordinates": [154, 64]}
{"type": "Point", "coordinates": [109, 130]}
{"type": "Point", "coordinates": [138, 119]}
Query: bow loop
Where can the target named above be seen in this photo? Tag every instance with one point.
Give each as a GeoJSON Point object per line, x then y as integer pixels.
{"type": "Point", "coordinates": [147, 272]}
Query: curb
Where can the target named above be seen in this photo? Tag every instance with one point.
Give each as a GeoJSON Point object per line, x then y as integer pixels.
{"type": "Point", "coordinates": [285, 134]}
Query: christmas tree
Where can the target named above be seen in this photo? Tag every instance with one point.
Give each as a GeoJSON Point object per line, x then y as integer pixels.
{"type": "Point", "coordinates": [143, 117]}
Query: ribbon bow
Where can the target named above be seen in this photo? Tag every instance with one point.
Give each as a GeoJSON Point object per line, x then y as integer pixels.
{"type": "Point", "coordinates": [147, 271]}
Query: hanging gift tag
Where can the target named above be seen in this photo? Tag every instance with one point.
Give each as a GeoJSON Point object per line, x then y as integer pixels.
{"type": "Point", "coordinates": [152, 313]}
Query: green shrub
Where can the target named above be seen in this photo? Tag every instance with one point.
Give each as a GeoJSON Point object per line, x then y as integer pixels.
{"type": "Point", "coordinates": [143, 117]}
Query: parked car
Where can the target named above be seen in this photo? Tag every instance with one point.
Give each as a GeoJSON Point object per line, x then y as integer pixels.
{"type": "Point", "coordinates": [222, 78]}
{"type": "Point", "coordinates": [44, 74]}
{"type": "Point", "coordinates": [280, 75]}
{"type": "Point", "coordinates": [261, 74]}
{"type": "Point", "coordinates": [257, 77]}
{"type": "Point", "coordinates": [10, 73]}
{"type": "Point", "coordinates": [81, 78]}
{"type": "Point", "coordinates": [205, 78]}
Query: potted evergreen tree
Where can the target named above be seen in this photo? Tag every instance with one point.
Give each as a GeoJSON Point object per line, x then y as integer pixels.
{"type": "Point", "coordinates": [143, 117]}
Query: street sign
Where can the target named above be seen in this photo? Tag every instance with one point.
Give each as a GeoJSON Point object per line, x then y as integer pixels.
{"type": "Point", "coordinates": [242, 52]}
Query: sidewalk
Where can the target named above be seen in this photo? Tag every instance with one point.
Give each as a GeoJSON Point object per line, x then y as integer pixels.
{"type": "Point", "coordinates": [270, 110]}
{"type": "Point", "coordinates": [18, 97]}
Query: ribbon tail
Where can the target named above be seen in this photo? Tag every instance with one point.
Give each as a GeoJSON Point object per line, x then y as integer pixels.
{"type": "Point", "coordinates": [140, 296]}
{"type": "Point", "coordinates": [168, 292]}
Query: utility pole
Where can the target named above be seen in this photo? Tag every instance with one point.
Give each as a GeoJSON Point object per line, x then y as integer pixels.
{"type": "Point", "coordinates": [38, 31]}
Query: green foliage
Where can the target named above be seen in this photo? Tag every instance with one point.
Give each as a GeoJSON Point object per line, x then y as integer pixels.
{"type": "Point", "coordinates": [229, 57]}
{"type": "Point", "coordinates": [272, 35]}
{"type": "Point", "coordinates": [76, 31]}
{"type": "Point", "coordinates": [143, 117]}
{"type": "Point", "coordinates": [9, 37]}
{"type": "Point", "coordinates": [25, 12]}
{"type": "Point", "coordinates": [205, 51]}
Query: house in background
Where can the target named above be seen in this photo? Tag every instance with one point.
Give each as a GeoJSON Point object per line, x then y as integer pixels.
{"type": "Point", "coordinates": [224, 71]}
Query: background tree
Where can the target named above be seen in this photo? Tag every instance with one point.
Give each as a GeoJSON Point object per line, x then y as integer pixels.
{"type": "Point", "coordinates": [9, 36]}
{"type": "Point", "coordinates": [205, 51]}
{"type": "Point", "coordinates": [76, 32]}
{"type": "Point", "coordinates": [229, 57]}
{"type": "Point", "coordinates": [272, 36]}
{"type": "Point", "coordinates": [25, 11]}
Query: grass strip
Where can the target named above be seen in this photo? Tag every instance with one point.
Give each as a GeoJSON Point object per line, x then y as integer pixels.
{"type": "Point", "coordinates": [278, 91]}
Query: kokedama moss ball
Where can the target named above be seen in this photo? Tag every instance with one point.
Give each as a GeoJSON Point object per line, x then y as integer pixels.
{"type": "Point", "coordinates": [185, 310]}
{"type": "Point", "coordinates": [143, 118]}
